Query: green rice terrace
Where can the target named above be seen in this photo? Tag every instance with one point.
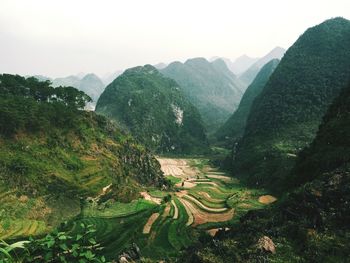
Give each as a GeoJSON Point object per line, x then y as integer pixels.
{"type": "Point", "coordinates": [162, 223]}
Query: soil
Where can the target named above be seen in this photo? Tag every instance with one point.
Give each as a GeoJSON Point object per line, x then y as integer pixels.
{"type": "Point", "coordinates": [147, 196]}
{"type": "Point", "coordinates": [148, 225]}
{"type": "Point", "coordinates": [267, 199]}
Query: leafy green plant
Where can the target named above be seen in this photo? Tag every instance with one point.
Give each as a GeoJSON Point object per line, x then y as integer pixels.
{"type": "Point", "coordinates": [62, 247]}
{"type": "Point", "coordinates": [8, 251]}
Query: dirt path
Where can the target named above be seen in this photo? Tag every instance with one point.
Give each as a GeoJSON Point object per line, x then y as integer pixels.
{"type": "Point", "coordinates": [148, 225]}
{"type": "Point", "coordinates": [176, 210]}
{"type": "Point", "coordinates": [147, 196]}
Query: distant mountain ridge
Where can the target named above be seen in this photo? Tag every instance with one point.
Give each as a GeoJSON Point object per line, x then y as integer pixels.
{"type": "Point", "coordinates": [210, 86]}
{"type": "Point", "coordinates": [91, 84]}
{"type": "Point", "coordinates": [249, 75]}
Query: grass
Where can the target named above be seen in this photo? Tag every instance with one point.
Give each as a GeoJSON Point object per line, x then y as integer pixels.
{"type": "Point", "coordinates": [173, 180]}
{"type": "Point", "coordinates": [118, 209]}
{"type": "Point", "coordinates": [158, 193]}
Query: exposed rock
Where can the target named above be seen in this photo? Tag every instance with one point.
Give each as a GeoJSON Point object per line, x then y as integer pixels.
{"type": "Point", "coordinates": [266, 244]}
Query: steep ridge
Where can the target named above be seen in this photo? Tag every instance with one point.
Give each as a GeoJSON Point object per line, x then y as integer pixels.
{"type": "Point", "coordinates": [310, 223]}
{"type": "Point", "coordinates": [249, 75]}
{"type": "Point", "coordinates": [234, 127]}
{"type": "Point", "coordinates": [285, 116]}
{"type": "Point", "coordinates": [153, 108]}
{"type": "Point", "coordinates": [53, 155]}
{"type": "Point", "coordinates": [211, 87]}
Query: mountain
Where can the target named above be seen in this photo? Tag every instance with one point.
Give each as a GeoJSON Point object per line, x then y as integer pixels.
{"type": "Point", "coordinates": [210, 86]}
{"type": "Point", "coordinates": [309, 224]}
{"type": "Point", "coordinates": [234, 127]}
{"type": "Point", "coordinates": [284, 118]}
{"type": "Point", "coordinates": [160, 65]}
{"type": "Point", "coordinates": [249, 75]}
{"type": "Point", "coordinates": [72, 81]}
{"type": "Point", "coordinates": [109, 77]}
{"type": "Point", "coordinates": [241, 64]}
{"type": "Point", "coordinates": [330, 150]}
{"type": "Point", "coordinates": [40, 77]}
{"type": "Point", "coordinates": [53, 156]}
{"type": "Point", "coordinates": [153, 108]}
{"type": "Point", "coordinates": [91, 84]}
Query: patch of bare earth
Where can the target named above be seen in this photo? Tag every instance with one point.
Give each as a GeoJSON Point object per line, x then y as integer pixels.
{"type": "Point", "coordinates": [148, 225]}
{"type": "Point", "coordinates": [185, 184]}
{"type": "Point", "coordinates": [148, 197]}
{"type": "Point", "coordinates": [267, 199]}
{"type": "Point", "coordinates": [202, 217]}
{"type": "Point", "coordinates": [220, 177]}
{"type": "Point", "coordinates": [166, 210]}
{"type": "Point", "coordinates": [177, 167]}
{"type": "Point", "coordinates": [176, 210]}
{"type": "Point", "coordinates": [213, 231]}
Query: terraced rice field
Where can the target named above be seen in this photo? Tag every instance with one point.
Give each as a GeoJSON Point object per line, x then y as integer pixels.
{"type": "Point", "coordinates": [202, 199]}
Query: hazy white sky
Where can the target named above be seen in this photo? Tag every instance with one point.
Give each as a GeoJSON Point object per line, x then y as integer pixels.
{"type": "Point", "coordinates": [63, 37]}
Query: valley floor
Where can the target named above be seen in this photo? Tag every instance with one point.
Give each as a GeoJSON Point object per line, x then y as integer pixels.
{"type": "Point", "coordinates": [162, 223]}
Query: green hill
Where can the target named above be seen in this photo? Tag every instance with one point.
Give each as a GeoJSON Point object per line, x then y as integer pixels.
{"type": "Point", "coordinates": [284, 118]}
{"type": "Point", "coordinates": [153, 108]}
{"type": "Point", "coordinates": [53, 155]}
{"type": "Point", "coordinates": [211, 87]}
{"type": "Point", "coordinates": [234, 127]}
{"type": "Point", "coordinates": [331, 147]}
{"type": "Point", "coordinates": [309, 224]}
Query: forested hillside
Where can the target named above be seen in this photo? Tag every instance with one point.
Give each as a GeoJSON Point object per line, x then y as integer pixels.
{"type": "Point", "coordinates": [153, 108]}
{"type": "Point", "coordinates": [310, 224]}
{"type": "Point", "coordinates": [53, 155]}
{"type": "Point", "coordinates": [284, 118]}
{"type": "Point", "coordinates": [234, 127]}
{"type": "Point", "coordinates": [211, 87]}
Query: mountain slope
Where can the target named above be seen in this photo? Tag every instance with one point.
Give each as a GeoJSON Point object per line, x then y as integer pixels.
{"type": "Point", "coordinates": [249, 75]}
{"type": "Point", "coordinates": [91, 84]}
{"type": "Point", "coordinates": [154, 110]}
{"type": "Point", "coordinates": [285, 116]}
{"type": "Point", "coordinates": [310, 224]}
{"type": "Point", "coordinates": [241, 64]}
{"type": "Point", "coordinates": [54, 155]}
{"type": "Point", "coordinates": [234, 127]}
{"type": "Point", "coordinates": [331, 147]}
{"type": "Point", "coordinates": [211, 87]}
